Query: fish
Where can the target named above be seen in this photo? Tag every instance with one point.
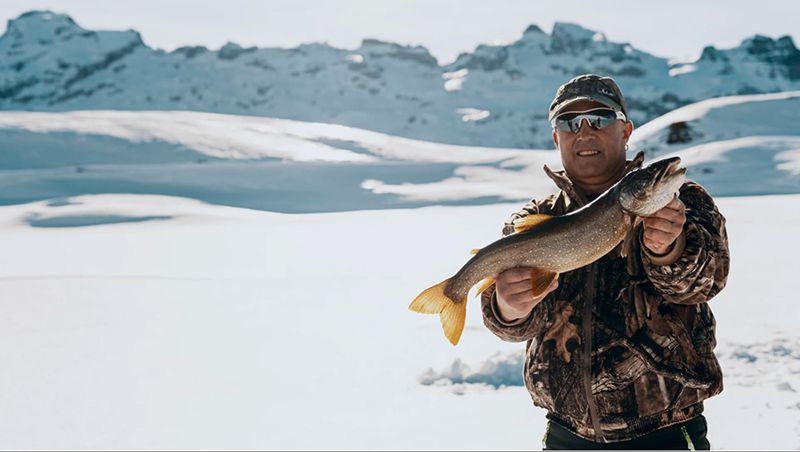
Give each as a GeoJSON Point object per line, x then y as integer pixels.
{"type": "Point", "coordinates": [556, 244]}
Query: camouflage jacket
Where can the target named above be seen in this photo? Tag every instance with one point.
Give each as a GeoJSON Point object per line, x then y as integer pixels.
{"type": "Point", "coordinates": [624, 346]}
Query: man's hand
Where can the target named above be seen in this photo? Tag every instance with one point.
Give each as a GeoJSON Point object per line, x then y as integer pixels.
{"type": "Point", "coordinates": [663, 227]}
{"type": "Point", "coordinates": [514, 290]}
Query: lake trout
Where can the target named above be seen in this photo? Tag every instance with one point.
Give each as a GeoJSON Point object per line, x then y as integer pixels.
{"type": "Point", "coordinates": [553, 245]}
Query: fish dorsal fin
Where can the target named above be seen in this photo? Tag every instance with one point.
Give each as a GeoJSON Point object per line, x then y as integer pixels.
{"type": "Point", "coordinates": [541, 280]}
{"type": "Point", "coordinates": [474, 251]}
{"type": "Point", "coordinates": [529, 222]}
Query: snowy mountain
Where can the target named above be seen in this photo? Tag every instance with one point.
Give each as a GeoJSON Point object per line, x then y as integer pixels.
{"type": "Point", "coordinates": [495, 96]}
{"type": "Point", "coordinates": [738, 145]}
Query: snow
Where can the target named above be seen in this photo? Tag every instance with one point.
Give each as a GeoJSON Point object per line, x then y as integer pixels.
{"type": "Point", "coordinates": [790, 161]}
{"type": "Point", "coordinates": [683, 69]}
{"type": "Point", "coordinates": [752, 113]}
{"type": "Point", "coordinates": [219, 327]}
{"type": "Point", "coordinates": [247, 137]}
{"type": "Point", "coordinates": [154, 295]}
{"type": "Point", "coordinates": [246, 161]}
{"type": "Point", "coordinates": [455, 80]}
{"type": "Point", "coordinates": [296, 166]}
{"type": "Point", "coordinates": [472, 114]}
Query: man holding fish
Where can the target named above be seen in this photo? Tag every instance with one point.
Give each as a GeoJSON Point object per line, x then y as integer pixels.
{"type": "Point", "coordinates": [608, 282]}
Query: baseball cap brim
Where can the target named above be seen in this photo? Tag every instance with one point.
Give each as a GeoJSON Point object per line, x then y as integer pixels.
{"type": "Point", "coordinates": [607, 101]}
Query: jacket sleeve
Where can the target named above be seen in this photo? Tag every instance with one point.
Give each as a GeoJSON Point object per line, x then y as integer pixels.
{"type": "Point", "coordinates": [526, 328]}
{"type": "Point", "coordinates": [697, 269]}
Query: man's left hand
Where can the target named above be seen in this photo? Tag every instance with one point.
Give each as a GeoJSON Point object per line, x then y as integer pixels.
{"type": "Point", "coordinates": [663, 227]}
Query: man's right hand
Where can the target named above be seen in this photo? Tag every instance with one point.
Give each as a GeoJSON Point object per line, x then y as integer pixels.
{"type": "Point", "coordinates": [514, 290]}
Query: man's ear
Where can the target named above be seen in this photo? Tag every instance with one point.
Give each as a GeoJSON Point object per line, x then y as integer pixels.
{"type": "Point", "coordinates": [555, 138]}
{"type": "Point", "coordinates": [628, 129]}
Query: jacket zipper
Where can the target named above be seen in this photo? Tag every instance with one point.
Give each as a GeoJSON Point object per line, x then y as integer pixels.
{"type": "Point", "coordinates": [587, 353]}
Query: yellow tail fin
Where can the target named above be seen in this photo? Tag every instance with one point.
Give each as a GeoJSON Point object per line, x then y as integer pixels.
{"type": "Point", "coordinates": [452, 313]}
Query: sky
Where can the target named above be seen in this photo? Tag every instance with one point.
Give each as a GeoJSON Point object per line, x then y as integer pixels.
{"type": "Point", "coordinates": [677, 29]}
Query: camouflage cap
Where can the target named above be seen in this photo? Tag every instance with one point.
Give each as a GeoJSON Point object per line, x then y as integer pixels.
{"type": "Point", "coordinates": [588, 87]}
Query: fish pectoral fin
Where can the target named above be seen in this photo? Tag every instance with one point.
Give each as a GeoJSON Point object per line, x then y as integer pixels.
{"type": "Point", "coordinates": [485, 284]}
{"type": "Point", "coordinates": [541, 280]}
{"type": "Point", "coordinates": [452, 313]}
{"type": "Point", "coordinates": [528, 222]}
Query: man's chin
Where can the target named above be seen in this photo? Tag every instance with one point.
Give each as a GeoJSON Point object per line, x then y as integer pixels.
{"type": "Point", "coordinates": [595, 169]}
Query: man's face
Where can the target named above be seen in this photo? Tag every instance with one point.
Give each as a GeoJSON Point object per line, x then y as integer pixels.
{"type": "Point", "coordinates": [593, 156]}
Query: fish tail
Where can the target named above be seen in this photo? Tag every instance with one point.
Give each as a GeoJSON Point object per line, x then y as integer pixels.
{"type": "Point", "coordinates": [452, 313]}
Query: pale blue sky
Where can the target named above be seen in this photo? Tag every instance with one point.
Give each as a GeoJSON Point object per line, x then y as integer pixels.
{"type": "Point", "coordinates": [675, 28]}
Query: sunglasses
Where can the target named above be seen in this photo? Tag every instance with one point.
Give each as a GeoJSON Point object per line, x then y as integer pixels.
{"type": "Point", "coordinates": [598, 118]}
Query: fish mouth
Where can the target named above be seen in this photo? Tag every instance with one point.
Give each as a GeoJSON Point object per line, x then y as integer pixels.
{"type": "Point", "coordinates": [672, 170]}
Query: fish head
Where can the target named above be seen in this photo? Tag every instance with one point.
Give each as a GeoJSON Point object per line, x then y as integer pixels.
{"type": "Point", "coordinates": [648, 190]}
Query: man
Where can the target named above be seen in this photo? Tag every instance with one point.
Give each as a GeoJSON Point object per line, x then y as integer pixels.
{"type": "Point", "coordinates": [639, 333]}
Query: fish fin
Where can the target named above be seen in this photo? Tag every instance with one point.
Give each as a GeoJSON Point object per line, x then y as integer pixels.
{"type": "Point", "coordinates": [541, 280]}
{"type": "Point", "coordinates": [528, 222]}
{"type": "Point", "coordinates": [452, 313]}
{"type": "Point", "coordinates": [474, 251]}
{"type": "Point", "coordinates": [627, 243]}
{"type": "Point", "coordinates": [485, 284]}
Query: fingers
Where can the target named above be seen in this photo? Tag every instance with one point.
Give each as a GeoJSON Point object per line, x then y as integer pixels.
{"type": "Point", "coordinates": [518, 287]}
{"type": "Point", "coordinates": [662, 225]}
{"type": "Point", "coordinates": [669, 214]}
{"type": "Point", "coordinates": [517, 297]}
{"type": "Point", "coordinates": [674, 211]}
{"type": "Point", "coordinates": [515, 275]}
{"type": "Point", "coordinates": [522, 292]}
{"type": "Point", "coordinates": [658, 240]}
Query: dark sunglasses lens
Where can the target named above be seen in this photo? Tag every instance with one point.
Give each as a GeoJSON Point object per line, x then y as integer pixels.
{"type": "Point", "coordinates": [601, 122]}
{"type": "Point", "coordinates": [563, 125]}
{"type": "Point", "coordinates": [598, 119]}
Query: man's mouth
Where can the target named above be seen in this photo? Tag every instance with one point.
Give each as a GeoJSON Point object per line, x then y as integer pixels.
{"type": "Point", "coordinates": [588, 153]}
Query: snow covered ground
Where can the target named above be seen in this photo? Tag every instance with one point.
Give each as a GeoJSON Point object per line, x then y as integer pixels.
{"type": "Point", "coordinates": [735, 146]}
{"type": "Point", "coordinates": [153, 296]}
{"type": "Point", "coordinates": [134, 321]}
{"type": "Point", "coordinates": [244, 161]}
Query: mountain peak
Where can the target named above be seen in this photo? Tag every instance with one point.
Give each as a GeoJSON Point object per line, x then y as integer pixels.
{"type": "Point", "coordinates": [232, 50]}
{"type": "Point", "coordinates": [42, 25]}
{"type": "Point", "coordinates": [418, 54]}
{"type": "Point", "coordinates": [781, 51]}
{"type": "Point", "coordinates": [569, 37]}
{"type": "Point", "coordinates": [760, 45]}
{"type": "Point", "coordinates": [786, 42]}
{"type": "Point", "coordinates": [532, 29]}
{"type": "Point", "coordinates": [572, 29]}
